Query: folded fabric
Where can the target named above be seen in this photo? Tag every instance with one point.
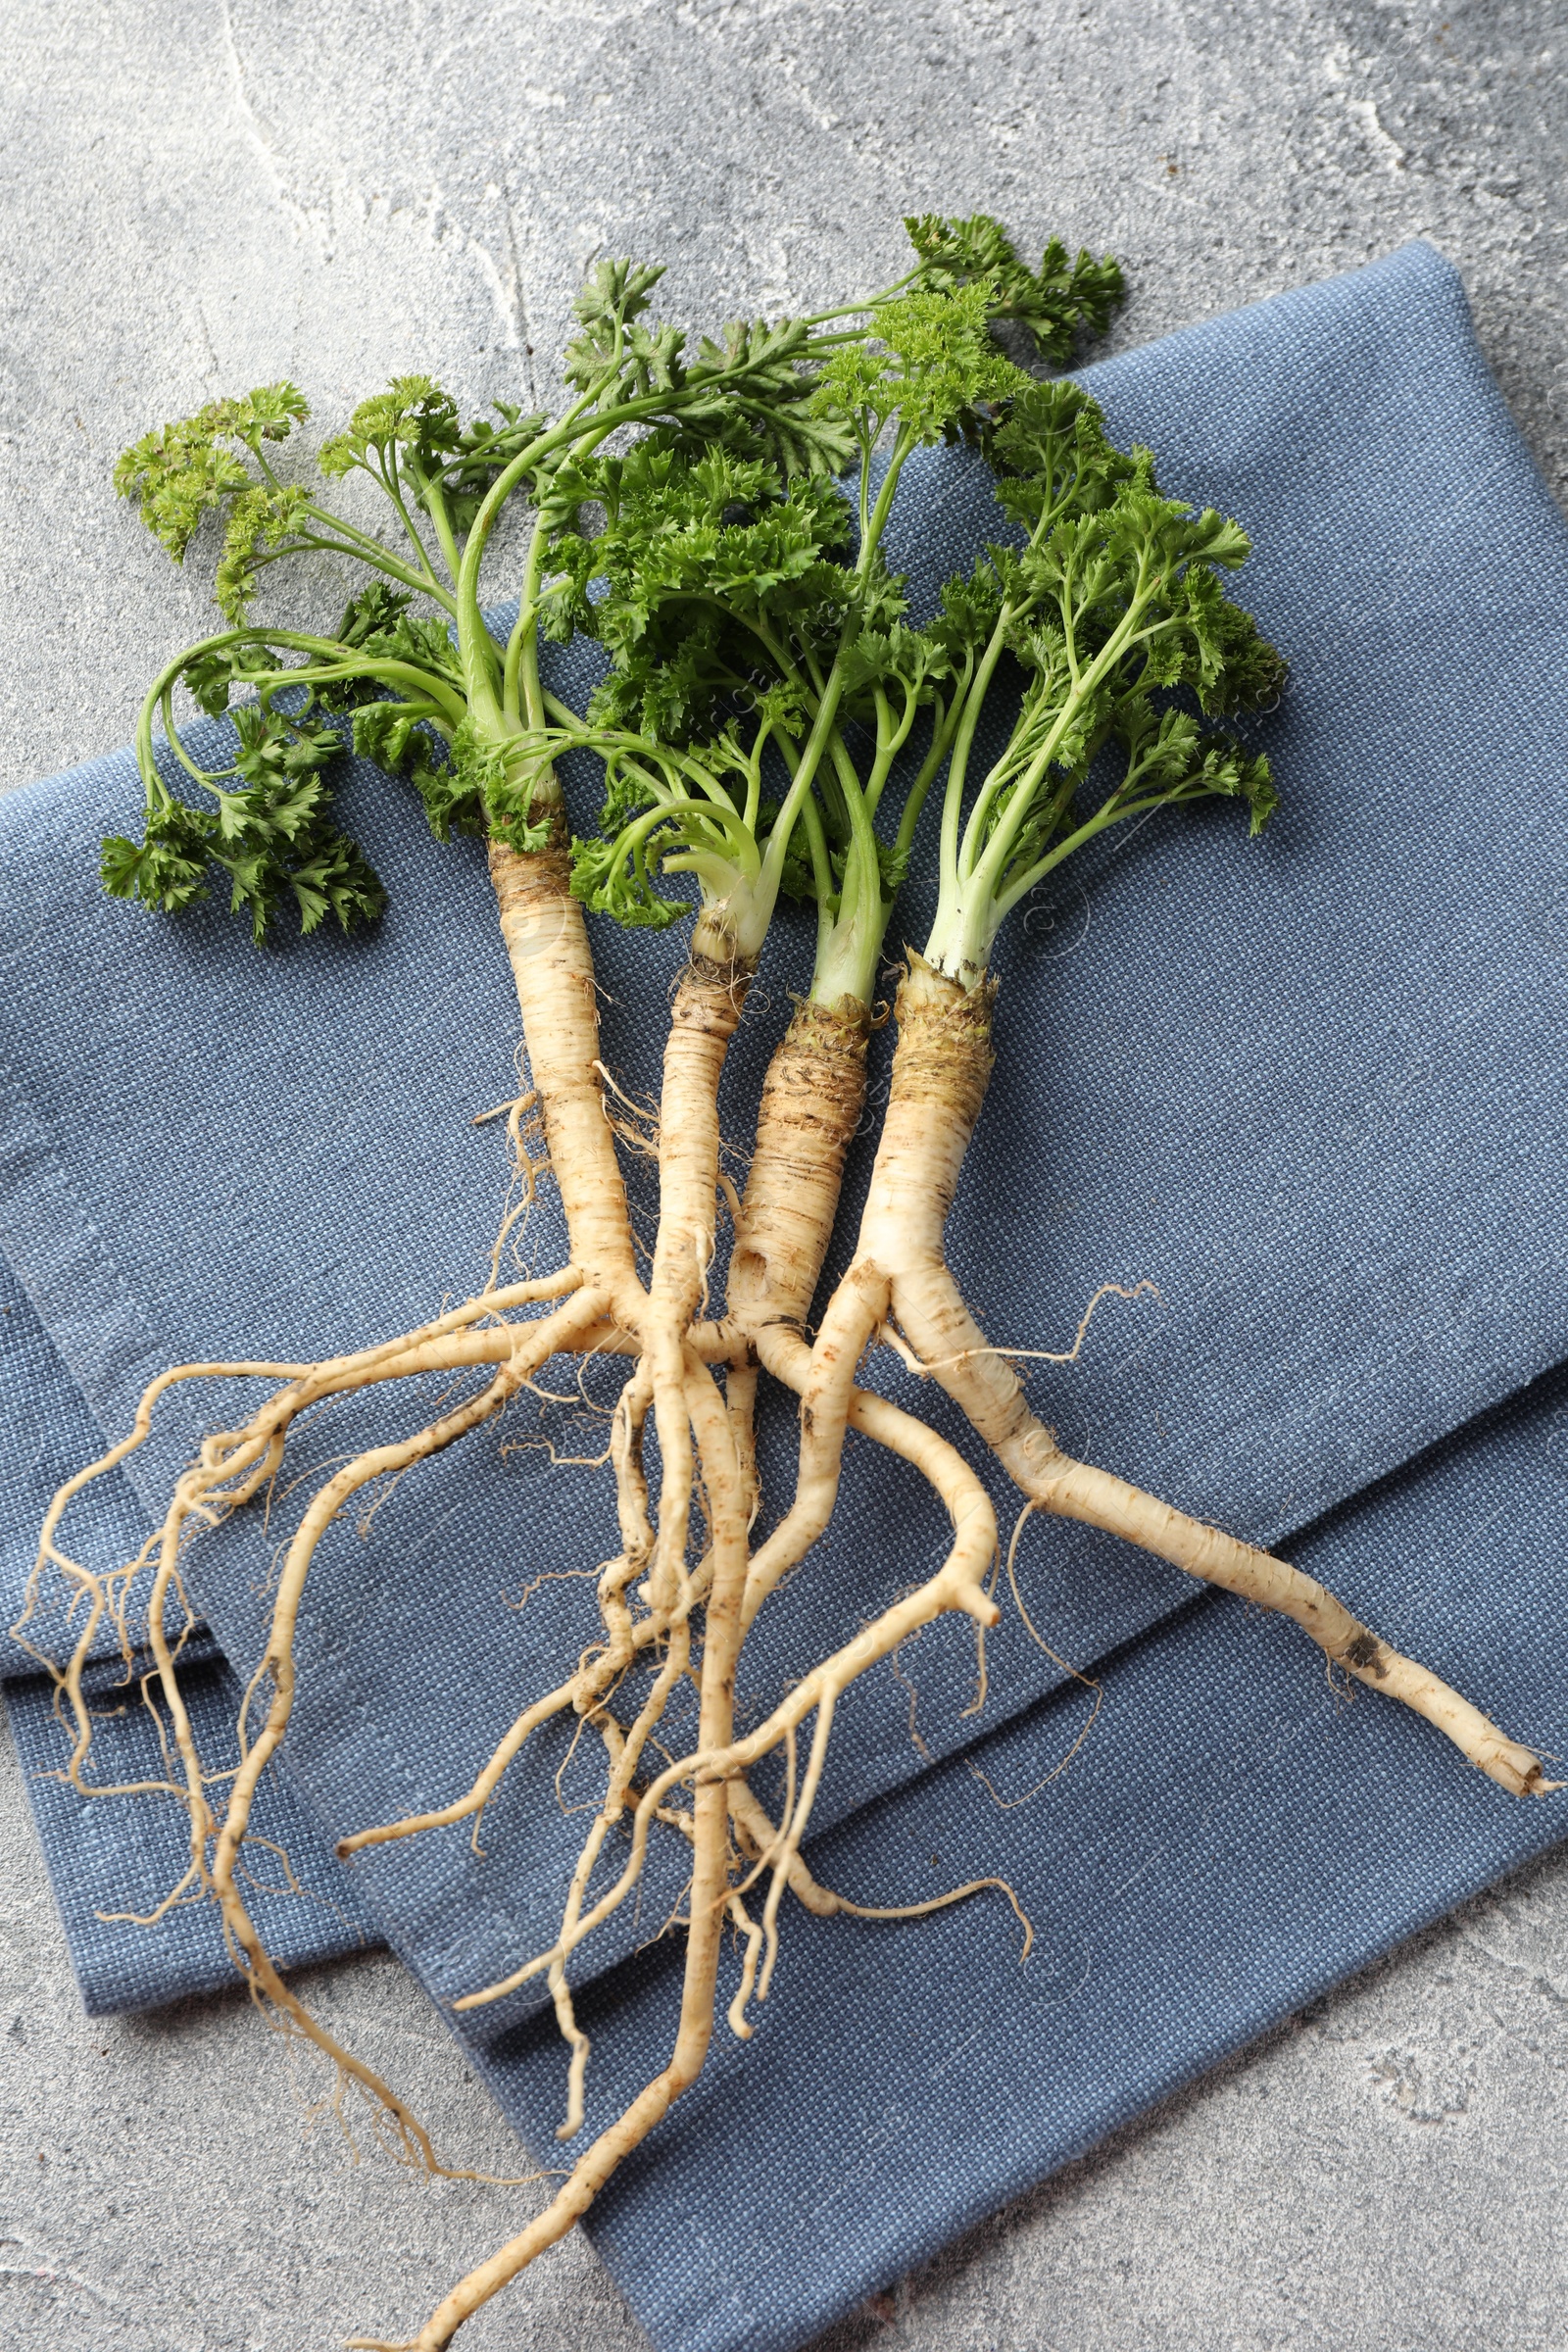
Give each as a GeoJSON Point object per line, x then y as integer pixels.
{"type": "Point", "coordinates": [1298, 1084]}
{"type": "Point", "coordinates": [115, 1861]}
{"type": "Point", "coordinates": [1231, 1840]}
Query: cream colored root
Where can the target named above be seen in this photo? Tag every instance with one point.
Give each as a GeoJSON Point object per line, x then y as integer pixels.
{"type": "Point", "coordinates": [600, 1668]}
{"type": "Point", "coordinates": [554, 1702]}
{"type": "Point", "coordinates": [188, 1501]}
{"type": "Point", "coordinates": [230, 1454]}
{"type": "Point", "coordinates": [812, 1102]}
{"type": "Point", "coordinates": [551, 960]}
{"type": "Point", "coordinates": [752, 1934]}
{"type": "Point", "coordinates": [740, 1405]}
{"type": "Point", "coordinates": [812, 1098]}
{"type": "Point", "coordinates": [704, 1015]}
{"type": "Point", "coordinates": [331, 1375]}
{"type": "Point", "coordinates": [709, 1889]}
{"type": "Point", "coordinates": [551, 964]}
{"type": "Point", "coordinates": [704, 1018]}
{"type": "Point", "coordinates": [960, 1584]}
{"type": "Point", "coordinates": [828, 1396]}
{"type": "Point", "coordinates": [588, 2175]}
{"type": "Point", "coordinates": [380, 1461]}
{"type": "Point", "coordinates": [278, 1664]}
{"type": "Point", "coordinates": [762, 1841]}
{"type": "Point", "coordinates": [547, 944]}
{"type": "Point", "coordinates": [626, 1636]}
{"type": "Point", "coordinates": [811, 1106]}
{"type": "Point", "coordinates": [719, 1791]}
{"type": "Point", "coordinates": [974, 1531]}
{"type": "Point", "coordinates": [231, 1832]}
{"type": "Point", "coordinates": [724, 1490]}
{"type": "Point", "coordinates": [585, 1690]}
{"type": "Point", "coordinates": [1077, 1490]}
{"type": "Point", "coordinates": [940, 1074]}
{"type": "Point", "coordinates": [109, 1593]}
{"type": "Point", "coordinates": [810, 1112]}
{"type": "Point", "coordinates": [625, 1752]}
{"type": "Point", "coordinates": [790, 1834]}
{"type": "Point", "coordinates": [603, 1664]}
{"type": "Point", "coordinates": [238, 1927]}
{"type": "Point", "coordinates": [713, 1774]}
{"type": "Point", "coordinates": [232, 1466]}
{"type": "Point", "coordinates": [632, 1407]}
{"type": "Point", "coordinates": [66, 1494]}
{"type": "Point", "coordinates": [547, 948]}
{"type": "Point", "coordinates": [778, 1851]}
{"type": "Point", "coordinates": [830, 1405]}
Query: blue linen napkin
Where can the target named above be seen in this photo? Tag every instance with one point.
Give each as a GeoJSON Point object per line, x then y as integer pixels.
{"type": "Point", "coordinates": [1230, 1840]}
{"type": "Point", "coordinates": [116, 1856]}
{"type": "Point", "coordinates": [1298, 1083]}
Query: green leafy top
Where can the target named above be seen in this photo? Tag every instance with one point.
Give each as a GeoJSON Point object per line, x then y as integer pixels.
{"type": "Point", "coordinates": [741, 621]}
{"type": "Point", "coordinates": [933, 361]}
{"type": "Point", "coordinates": [410, 435]}
{"type": "Point", "coordinates": [183, 471]}
{"type": "Point", "coordinates": [1057, 303]}
{"type": "Point", "coordinates": [1115, 609]}
{"type": "Point", "coordinates": [269, 834]}
{"type": "Point", "coordinates": [745, 612]}
{"type": "Point", "coordinates": [462, 716]}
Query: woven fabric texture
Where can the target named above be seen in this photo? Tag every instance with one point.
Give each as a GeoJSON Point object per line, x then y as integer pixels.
{"type": "Point", "coordinates": [1306, 1086]}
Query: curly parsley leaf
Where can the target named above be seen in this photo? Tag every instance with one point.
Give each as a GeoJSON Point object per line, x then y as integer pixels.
{"type": "Point", "coordinates": [183, 470]}
{"type": "Point", "coordinates": [1057, 303]}
{"type": "Point", "coordinates": [258, 519]}
{"type": "Point", "coordinates": [167, 868]}
{"type": "Point", "coordinates": [612, 880]}
{"type": "Point", "coordinates": [608, 309]}
{"type": "Point", "coordinates": [413, 418]}
{"type": "Point", "coordinates": [933, 362]}
{"type": "Point", "coordinates": [270, 835]}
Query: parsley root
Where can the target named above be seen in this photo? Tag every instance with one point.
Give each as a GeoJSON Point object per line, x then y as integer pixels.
{"type": "Point", "coordinates": [1113, 602]}
{"type": "Point", "coordinates": [771, 725]}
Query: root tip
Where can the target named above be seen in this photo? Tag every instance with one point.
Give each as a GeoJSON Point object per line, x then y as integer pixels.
{"type": "Point", "coordinates": [1519, 1772]}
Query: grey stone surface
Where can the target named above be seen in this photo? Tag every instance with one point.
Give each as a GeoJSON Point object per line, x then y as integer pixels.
{"type": "Point", "coordinates": [198, 196]}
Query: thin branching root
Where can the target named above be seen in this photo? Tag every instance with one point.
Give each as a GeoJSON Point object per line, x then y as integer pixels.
{"type": "Point", "coordinates": [771, 722]}
{"type": "Point", "coordinates": [940, 1072]}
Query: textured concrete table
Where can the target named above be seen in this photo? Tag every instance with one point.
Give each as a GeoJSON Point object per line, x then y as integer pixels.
{"type": "Point", "coordinates": [199, 196]}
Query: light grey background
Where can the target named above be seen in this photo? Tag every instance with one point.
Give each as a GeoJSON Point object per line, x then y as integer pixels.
{"type": "Point", "coordinates": [201, 196]}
